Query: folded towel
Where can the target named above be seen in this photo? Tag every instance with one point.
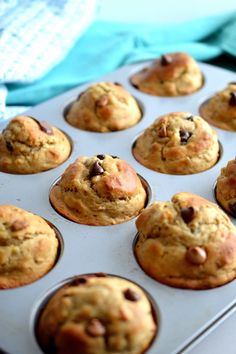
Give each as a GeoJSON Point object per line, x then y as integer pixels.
{"type": "Point", "coordinates": [37, 35]}
{"type": "Point", "coordinates": [105, 46]}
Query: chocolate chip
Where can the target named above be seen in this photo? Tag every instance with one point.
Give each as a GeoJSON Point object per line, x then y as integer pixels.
{"type": "Point", "coordinates": [131, 295]}
{"type": "Point", "coordinates": [232, 99]}
{"type": "Point", "coordinates": [9, 146]}
{"type": "Point", "coordinates": [100, 275]}
{"type": "Point", "coordinates": [67, 109]}
{"type": "Point", "coordinates": [189, 118]}
{"type": "Point", "coordinates": [80, 94]}
{"type": "Point", "coordinates": [135, 86]}
{"type": "Point", "coordinates": [184, 136]}
{"type": "Point", "coordinates": [166, 60]}
{"type": "Point", "coordinates": [187, 214]}
{"type": "Point", "coordinates": [162, 133]}
{"type": "Point", "coordinates": [96, 170]}
{"type": "Point", "coordinates": [114, 156]}
{"type": "Point", "coordinates": [232, 83]}
{"type": "Point", "coordinates": [196, 255]}
{"type": "Point", "coordinates": [102, 101]}
{"type": "Point", "coordinates": [95, 328]}
{"type": "Point", "coordinates": [46, 127]}
{"type": "Point", "coordinates": [101, 157]}
{"type": "Point", "coordinates": [18, 225]}
{"type": "Point", "coordinates": [232, 208]}
{"type": "Point", "coordinates": [117, 84]}
{"type": "Point", "coordinates": [78, 281]}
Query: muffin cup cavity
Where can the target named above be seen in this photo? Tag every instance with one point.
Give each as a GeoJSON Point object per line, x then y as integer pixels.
{"type": "Point", "coordinates": [219, 108]}
{"type": "Point", "coordinates": [31, 245]}
{"type": "Point", "coordinates": [97, 325]}
{"type": "Point", "coordinates": [69, 105]}
{"type": "Point", "coordinates": [104, 107]}
{"type": "Point", "coordinates": [220, 154]}
{"type": "Point", "coordinates": [228, 212]}
{"type": "Point", "coordinates": [29, 146]}
{"type": "Point", "coordinates": [54, 185]}
{"type": "Point", "coordinates": [163, 77]}
{"type": "Point", "coordinates": [174, 250]}
{"type": "Point", "coordinates": [60, 242]}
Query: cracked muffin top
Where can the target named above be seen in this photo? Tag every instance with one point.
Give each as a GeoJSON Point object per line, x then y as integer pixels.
{"type": "Point", "coordinates": [31, 146]}
{"type": "Point", "coordinates": [226, 187]}
{"type": "Point", "coordinates": [99, 190]}
{"type": "Point", "coordinates": [28, 247]}
{"type": "Point", "coordinates": [173, 74]}
{"type": "Point", "coordinates": [104, 107]}
{"type": "Point", "coordinates": [220, 109]}
{"type": "Point", "coordinates": [178, 143]}
{"type": "Point", "coordinates": [97, 314]}
{"type": "Point", "coordinates": [187, 242]}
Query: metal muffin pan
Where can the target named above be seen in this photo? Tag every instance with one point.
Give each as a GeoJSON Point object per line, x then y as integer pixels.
{"type": "Point", "coordinates": [184, 316]}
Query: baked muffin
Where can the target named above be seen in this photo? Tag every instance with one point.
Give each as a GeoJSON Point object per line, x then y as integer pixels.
{"type": "Point", "coordinates": [188, 242]}
{"type": "Point", "coordinates": [31, 146]}
{"type": "Point", "coordinates": [178, 143]}
{"type": "Point", "coordinates": [100, 190]}
{"type": "Point", "coordinates": [104, 107]}
{"type": "Point", "coordinates": [28, 247]}
{"type": "Point", "coordinates": [226, 188]}
{"type": "Point", "coordinates": [220, 109]}
{"type": "Point", "coordinates": [173, 74]}
{"type": "Point", "coordinates": [102, 315]}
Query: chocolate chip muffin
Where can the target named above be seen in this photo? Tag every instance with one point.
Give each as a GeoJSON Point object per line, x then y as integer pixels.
{"type": "Point", "coordinates": [28, 247]}
{"type": "Point", "coordinates": [226, 187]}
{"type": "Point", "coordinates": [102, 315]}
{"type": "Point", "coordinates": [100, 190]}
{"type": "Point", "coordinates": [220, 109]}
{"type": "Point", "coordinates": [31, 146]}
{"type": "Point", "coordinates": [104, 107]}
{"type": "Point", "coordinates": [188, 242]}
{"type": "Point", "coordinates": [178, 143]}
{"type": "Point", "coordinates": [173, 74]}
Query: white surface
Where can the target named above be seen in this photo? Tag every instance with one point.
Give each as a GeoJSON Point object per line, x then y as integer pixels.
{"type": "Point", "coordinates": [153, 11]}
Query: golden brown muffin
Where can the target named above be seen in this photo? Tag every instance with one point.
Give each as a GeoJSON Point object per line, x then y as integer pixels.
{"type": "Point", "coordinates": [220, 109]}
{"type": "Point", "coordinates": [104, 107]}
{"type": "Point", "coordinates": [102, 315]}
{"type": "Point", "coordinates": [178, 143]}
{"type": "Point", "coordinates": [100, 190]}
{"type": "Point", "coordinates": [28, 247]}
{"type": "Point", "coordinates": [174, 74]}
{"type": "Point", "coordinates": [226, 188]}
{"type": "Point", "coordinates": [31, 146]}
{"type": "Point", "coordinates": [188, 242]}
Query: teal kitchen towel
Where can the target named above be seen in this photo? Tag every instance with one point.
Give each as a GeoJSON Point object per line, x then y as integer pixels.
{"type": "Point", "coordinates": [107, 46]}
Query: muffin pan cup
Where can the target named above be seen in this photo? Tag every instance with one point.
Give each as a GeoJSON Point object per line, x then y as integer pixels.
{"type": "Point", "coordinates": [184, 316]}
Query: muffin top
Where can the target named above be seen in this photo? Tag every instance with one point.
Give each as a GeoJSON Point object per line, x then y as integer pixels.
{"type": "Point", "coordinates": [104, 107]}
{"type": "Point", "coordinates": [99, 190]}
{"type": "Point", "coordinates": [28, 247]}
{"type": "Point", "coordinates": [102, 315]}
{"type": "Point", "coordinates": [188, 242]}
{"type": "Point", "coordinates": [30, 146]}
{"type": "Point", "coordinates": [220, 109]}
{"type": "Point", "coordinates": [226, 187]}
{"type": "Point", "coordinates": [178, 143]}
{"type": "Point", "coordinates": [173, 74]}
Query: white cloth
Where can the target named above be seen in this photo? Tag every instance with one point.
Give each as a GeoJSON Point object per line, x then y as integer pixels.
{"type": "Point", "coordinates": [35, 35]}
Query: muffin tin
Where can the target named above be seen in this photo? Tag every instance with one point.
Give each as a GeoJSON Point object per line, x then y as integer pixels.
{"type": "Point", "coordinates": [184, 316]}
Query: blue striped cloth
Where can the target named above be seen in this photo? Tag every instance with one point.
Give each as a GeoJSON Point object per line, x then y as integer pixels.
{"type": "Point", "coordinates": [37, 35]}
